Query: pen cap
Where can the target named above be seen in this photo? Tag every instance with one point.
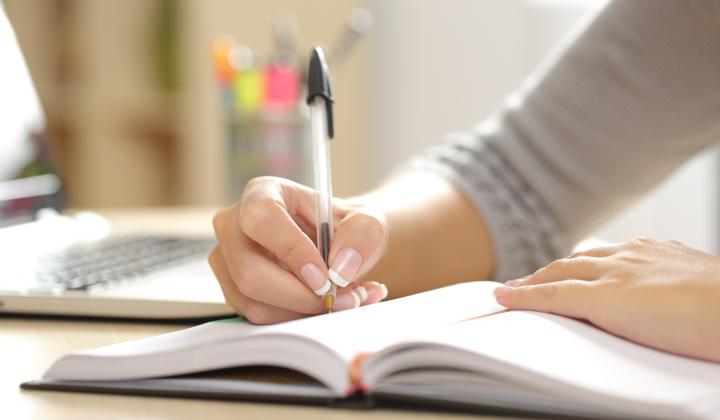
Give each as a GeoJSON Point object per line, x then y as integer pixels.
{"type": "Point", "coordinates": [318, 84]}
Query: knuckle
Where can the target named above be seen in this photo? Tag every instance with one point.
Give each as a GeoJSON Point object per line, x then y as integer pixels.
{"type": "Point", "coordinates": [256, 215]}
{"type": "Point", "coordinates": [370, 225]}
{"type": "Point", "coordinates": [249, 185]}
{"type": "Point", "coordinates": [213, 258]}
{"type": "Point", "coordinates": [642, 241]}
{"type": "Point", "coordinates": [218, 220]}
{"type": "Point", "coordinates": [577, 254]}
{"type": "Point", "coordinates": [255, 182]}
{"type": "Point", "coordinates": [538, 273]}
{"type": "Point", "coordinates": [581, 261]}
{"type": "Point", "coordinates": [557, 265]}
{"type": "Point", "coordinates": [628, 258]}
{"type": "Point", "coordinates": [261, 184]}
{"type": "Point", "coordinates": [266, 179]}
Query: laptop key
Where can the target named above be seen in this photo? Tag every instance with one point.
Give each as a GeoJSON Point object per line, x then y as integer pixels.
{"type": "Point", "coordinates": [116, 259]}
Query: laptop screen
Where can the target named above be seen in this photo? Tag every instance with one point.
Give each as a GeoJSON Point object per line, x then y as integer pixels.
{"type": "Point", "coordinates": [27, 179]}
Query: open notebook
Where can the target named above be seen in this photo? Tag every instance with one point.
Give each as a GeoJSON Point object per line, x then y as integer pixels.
{"type": "Point", "coordinates": [453, 347]}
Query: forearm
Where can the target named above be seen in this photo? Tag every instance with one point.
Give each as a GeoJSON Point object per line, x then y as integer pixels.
{"type": "Point", "coordinates": [588, 133]}
{"type": "Point", "coordinates": [435, 235]}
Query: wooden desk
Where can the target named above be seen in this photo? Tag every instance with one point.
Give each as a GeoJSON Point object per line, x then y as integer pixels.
{"type": "Point", "coordinates": [29, 346]}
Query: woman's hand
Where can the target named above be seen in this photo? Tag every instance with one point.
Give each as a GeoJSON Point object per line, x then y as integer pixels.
{"type": "Point", "coordinates": [661, 294]}
{"type": "Point", "coordinates": [267, 262]}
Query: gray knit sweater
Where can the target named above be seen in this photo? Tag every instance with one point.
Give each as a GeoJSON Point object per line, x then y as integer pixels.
{"type": "Point", "coordinates": [630, 96]}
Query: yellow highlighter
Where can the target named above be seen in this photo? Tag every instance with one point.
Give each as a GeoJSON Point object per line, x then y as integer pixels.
{"type": "Point", "coordinates": [248, 82]}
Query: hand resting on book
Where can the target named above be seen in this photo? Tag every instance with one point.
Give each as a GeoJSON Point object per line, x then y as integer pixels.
{"type": "Point", "coordinates": [661, 294]}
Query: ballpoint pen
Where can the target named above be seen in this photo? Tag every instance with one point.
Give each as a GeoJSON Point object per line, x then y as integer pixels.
{"type": "Point", "coordinates": [320, 100]}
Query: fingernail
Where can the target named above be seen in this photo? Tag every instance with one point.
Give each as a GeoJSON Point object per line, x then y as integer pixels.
{"type": "Point", "coordinates": [347, 301]}
{"type": "Point", "coordinates": [315, 279]}
{"type": "Point", "coordinates": [382, 287]}
{"type": "Point", "coordinates": [384, 290]}
{"type": "Point", "coordinates": [512, 283]}
{"type": "Point", "coordinates": [362, 292]}
{"type": "Point", "coordinates": [502, 291]}
{"type": "Point", "coordinates": [345, 267]}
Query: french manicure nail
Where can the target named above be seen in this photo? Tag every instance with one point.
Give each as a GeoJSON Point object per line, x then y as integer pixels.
{"type": "Point", "coordinates": [382, 287]}
{"type": "Point", "coordinates": [384, 291]}
{"type": "Point", "coordinates": [347, 301]}
{"type": "Point", "coordinates": [362, 292]}
{"type": "Point", "coordinates": [345, 267]}
{"type": "Point", "coordinates": [356, 299]}
{"type": "Point", "coordinates": [315, 279]}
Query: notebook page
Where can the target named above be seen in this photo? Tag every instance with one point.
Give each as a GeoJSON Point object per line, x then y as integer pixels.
{"type": "Point", "coordinates": [348, 332]}
{"type": "Point", "coordinates": [297, 345]}
{"type": "Point", "coordinates": [370, 328]}
{"type": "Point", "coordinates": [570, 358]}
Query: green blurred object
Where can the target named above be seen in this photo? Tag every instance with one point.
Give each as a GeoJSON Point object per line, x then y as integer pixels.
{"type": "Point", "coordinates": [167, 32]}
{"type": "Point", "coordinates": [235, 320]}
{"type": "Point", "coordinates": [42, 162]}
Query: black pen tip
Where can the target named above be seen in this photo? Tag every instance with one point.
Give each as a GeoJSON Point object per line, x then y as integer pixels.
{"type": "Point", "coordinates": [318, 84]}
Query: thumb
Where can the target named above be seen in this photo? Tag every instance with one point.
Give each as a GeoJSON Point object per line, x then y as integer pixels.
{"type": "Point", "coordinates": [359, 241]}
{"type": "Point", "coordinates": [572, 298]}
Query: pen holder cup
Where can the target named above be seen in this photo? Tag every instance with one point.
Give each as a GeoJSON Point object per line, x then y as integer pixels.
{"type": "Point", "coordinates": [269, 143]}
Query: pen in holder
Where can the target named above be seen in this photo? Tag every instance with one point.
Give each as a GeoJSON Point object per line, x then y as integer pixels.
{"type": "Point", "coordinates": [266, 121]}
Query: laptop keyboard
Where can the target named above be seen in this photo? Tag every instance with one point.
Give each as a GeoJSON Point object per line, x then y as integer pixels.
{"type": "Point", "coordinates": [112, 260]}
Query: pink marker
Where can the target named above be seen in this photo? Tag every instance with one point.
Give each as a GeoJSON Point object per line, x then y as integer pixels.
{"type": "Point", "coordinates": [282, 83]}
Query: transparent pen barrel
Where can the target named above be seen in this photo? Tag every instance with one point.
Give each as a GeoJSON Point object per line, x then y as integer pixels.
{"type": "Point", "coordinates": [322, 176]}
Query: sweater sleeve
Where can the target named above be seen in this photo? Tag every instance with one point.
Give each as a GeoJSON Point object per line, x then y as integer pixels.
{"type": "Point", "coordinates": [630, 96]}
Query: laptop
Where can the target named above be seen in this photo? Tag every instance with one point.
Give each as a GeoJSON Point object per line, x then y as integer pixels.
{"type": "Point", "coordinates": [54, 264]}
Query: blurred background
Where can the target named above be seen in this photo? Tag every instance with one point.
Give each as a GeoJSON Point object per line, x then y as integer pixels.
{"type": "Point", "coordinates": [141, 113]}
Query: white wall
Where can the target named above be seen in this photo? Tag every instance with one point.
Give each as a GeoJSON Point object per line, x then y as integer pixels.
{"type": "Point", "coordinates": [443, 66]}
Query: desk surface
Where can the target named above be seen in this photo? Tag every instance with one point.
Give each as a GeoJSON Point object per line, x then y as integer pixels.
{"type": "Point", "coordinates": [29, 346]}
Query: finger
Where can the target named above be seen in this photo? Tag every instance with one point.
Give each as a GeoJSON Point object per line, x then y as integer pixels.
{"type": "Point", "coordinates": [358, 242]}
{"type": "Point", "coordinates": [256, 275]}
{"type": "Point", "coordinates": [262, 279]}
{"type": "Point", "coordinates": [266, 221]}
{"type": "Point", "coordinates": [376, 292]}
{"type": "Point", "coordinates": [298, 199]}
{"type": "Point", "coordinates": [581, 268]}
{"type": "Point", "coordinates": [572, 298]}
{"type": "Point", "coordinates": [352, 297]}
{"type": "Point", "coordinates": [599, 252]}
{"type": "Point", "coordinates": [254, 311]}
